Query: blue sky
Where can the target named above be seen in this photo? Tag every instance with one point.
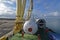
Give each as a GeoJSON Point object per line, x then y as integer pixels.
{"type": "Point", "coordinates": [41, 7]}
{"type": "Point", "coordinates": [47, 7]}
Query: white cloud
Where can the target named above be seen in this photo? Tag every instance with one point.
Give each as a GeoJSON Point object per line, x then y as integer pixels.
{"type": "Point", "coordinates": [0, 0]}
{"type": "Point", "coordinates": [38, 14]}
{"type": "Point", "coordinates": [10, 2]}
{"type": "Point", "coordinates": [2, 8]}
{"type": "Point", "coordinates": [5, 10]}
{"type": "Point", "coordinates": [13, 0]}
{"type": "Point", "coordinates": [53, 14]}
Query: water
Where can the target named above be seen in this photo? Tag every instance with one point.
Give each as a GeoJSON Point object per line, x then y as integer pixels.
{"type": "Point", "coordinates": [53, 23]}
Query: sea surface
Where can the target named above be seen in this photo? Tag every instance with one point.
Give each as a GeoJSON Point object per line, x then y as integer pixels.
{"type": "Point", "coordinates": [53, 23]}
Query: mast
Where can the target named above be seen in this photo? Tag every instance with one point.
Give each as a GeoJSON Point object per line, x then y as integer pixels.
{"type": "Point", "coordinates": [19, 15]}
{"type": "Point", "coordinates": [30, 10]}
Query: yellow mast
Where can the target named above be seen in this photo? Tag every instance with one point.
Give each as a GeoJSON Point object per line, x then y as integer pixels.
{"type": "Point", "coordinates": [30, 10]}
{"type": "Point", "coordinates": [20, 12]}
{"type": "Point", "coordinates": [19, 18]}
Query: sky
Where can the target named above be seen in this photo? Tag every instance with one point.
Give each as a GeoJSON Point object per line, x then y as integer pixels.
{"type": "Point", "coordinates": [41, 9]}
{"type": "Point", "coordinates": [44, 8]}
{"type": "Point", "coordinates": [7, 8]}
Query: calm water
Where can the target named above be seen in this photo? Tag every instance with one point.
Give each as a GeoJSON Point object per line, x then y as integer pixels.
{"type": "Point", "coordinates": [53, 23]}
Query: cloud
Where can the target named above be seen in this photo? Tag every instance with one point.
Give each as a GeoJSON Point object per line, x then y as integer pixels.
{"type": "Point", "coordinates": [8, 1]}
{"type": "Point", "coordinates": [51, 14]}
{"type": "Point", "coordinates": [38, 14]}
{"type": "Point", "coordinates": [13, 0]}
{"type": "Point", "coordinates": [54, 13]}
{"type": "Point", "coordinates": [5, 9]}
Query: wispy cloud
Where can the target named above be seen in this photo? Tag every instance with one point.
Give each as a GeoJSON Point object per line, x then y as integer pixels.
{"type": "Point", "coordinates": [5, 9]}
{"type": "Point", "coordinates": [52, 14]}
{"type": "Point", "coordinates": [38, 14]}
{"type": "Point", "coordinates": [40, 7]}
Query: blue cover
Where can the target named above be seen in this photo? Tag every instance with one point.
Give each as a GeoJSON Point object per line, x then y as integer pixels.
{"type": "Point", "coordinates": [54, 36]}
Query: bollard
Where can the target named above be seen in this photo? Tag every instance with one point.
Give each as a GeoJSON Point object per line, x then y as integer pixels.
{"type": "Point", "coordinates": [39, 37]}
{"type": "Point", "coordinates": [22, 34]}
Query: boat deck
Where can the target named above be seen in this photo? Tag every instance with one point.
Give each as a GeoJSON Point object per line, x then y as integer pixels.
{"type": "Point", "coordinates": [18, 36]}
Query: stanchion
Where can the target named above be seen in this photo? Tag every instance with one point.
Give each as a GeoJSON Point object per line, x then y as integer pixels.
{"type": "Point", "coordinates": [39, 37]}
{"type": "Point", "coordinates": [22, 34]}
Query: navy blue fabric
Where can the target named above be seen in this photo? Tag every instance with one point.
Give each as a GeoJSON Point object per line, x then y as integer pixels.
{"type": "Point", "coordinates": [54, 36]}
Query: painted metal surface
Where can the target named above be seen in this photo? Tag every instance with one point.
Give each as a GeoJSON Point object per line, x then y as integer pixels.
{"type": "Point", "coordinates": [19, 15]}
{"type": "Point", "coordinates": [30, 24]}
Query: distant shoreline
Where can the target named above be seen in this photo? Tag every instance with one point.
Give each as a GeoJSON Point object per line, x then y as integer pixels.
{"type": "Point", "coordinates": [7, 19]}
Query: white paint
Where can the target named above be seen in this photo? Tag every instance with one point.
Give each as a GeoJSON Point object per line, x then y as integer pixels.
{"type": "Point", "coordinates": [30, 24]}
